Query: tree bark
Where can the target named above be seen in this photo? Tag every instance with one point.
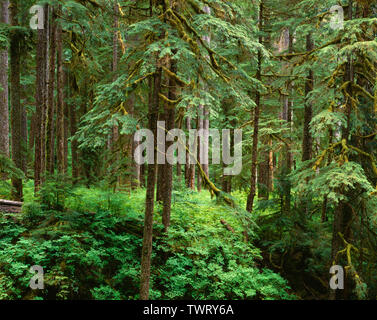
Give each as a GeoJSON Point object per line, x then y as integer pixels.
{"type": "Point", "coordinates": [307, 143]}
{"type": "Point", "coordinates": [161, 175]}
{"type": "Point", "coordinates": [343, 212]}
{"type": "Point", "coordinates": [50, 132]}
{"type": "Point", "coordinates": [287, 164]}
{"type": "Point", "coordinates": [151, 181]}
{"type": "Point", "coordinates": [41, 101]}
{"type": "Point", "coordinates": [24, 139]}
{"type": "Point", "coordinates": [60, 102]}
{"type": "Point", "coordinates": [40, 85]}
{"type": "Point", "coordinates": [115, 130]}
{"type": "Point", "coordinates": [264, 175]}
{"type": "Point", "coordinates": [16, 110]}
{"type": "Point", "coordinates": [191, 173]}
{"type": "Point", "coordinates": [227, 180]}
{"type": "Point", "coordinates": [67, 111]}
{"type": "Point", "coordinates": [170, 120]}
{"type": "Point", "coordinates": [200, 126]}
{"type": "Point", "coordinates": [271, 166]}
{"type": "Point", "coordinates": [74, 145]}
{"type": "Point", "coordinates": [206, 113]}
{"type": "Point", "coordinates": [189, 168]}
{"type": "Point", "coordinates": [4, 99]}
{"type": "Point", "coordinates": [254, 156]}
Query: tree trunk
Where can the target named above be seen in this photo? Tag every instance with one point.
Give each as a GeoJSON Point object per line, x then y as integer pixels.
{"type": "Point", "coordinates": [271, 165]}
{"type": "Point", "coordinates": [67, 110]}
{"type": "Point", "coordinates": [343, 211]}
{"type": "Point", "coordinates": [161, 175]}
{"type": "Point", "coordinates": [254, 155]}
{"type": "Point", "coordinates": [200, 126]}
{"type": "Point", "coordinates": [24, 136]}
{"type": "Point", "coordinates": [264, 175]}
{"type": "Point", "coordinates": [16, 110]}
{"type": "Point", "coordinates": [191, 172]}
{"type": "Point", "coordinates": [287, 165]}
{"type": "Point", "coordinates": [307, 143]}
{"type": "Point", "coordinates": [31, 141]}
{"type": "Point", "coordinates": [60, 102]}
{"type": "Point", "coordinates": [115, 142]}
{"type": "Point", "coordinates": [50, 132]}
{"type": "Point", "coordinates": [40, 99]}
{"type": "Point", "coordinates": [142, 175]}
{"type": "Point", "coordinates": [187, 164]}
{"type": "Point", "coordinates": [170, 120]}
{"type": "Point", "coordinates": [149, 204]}
{"type": "Point", "coordinates": [74, 144]}
{"type": "Point", "coordinates": [206, 114]}
{"type": "Point", "coordinates": [4, 99]}
{"type": "Point", "coordinates": [45, 91]}
{"type": "Point", "coordinates": [227, 180]}
{"type": "Point", "coordinates": [136, 181]}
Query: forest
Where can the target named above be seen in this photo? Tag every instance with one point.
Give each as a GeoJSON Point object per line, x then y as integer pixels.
{"type": "Point", "coordinates": [188, 150]}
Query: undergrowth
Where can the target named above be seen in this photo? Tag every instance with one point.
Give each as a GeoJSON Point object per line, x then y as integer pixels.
{"type": "Point", "coordinates": [90, 246]}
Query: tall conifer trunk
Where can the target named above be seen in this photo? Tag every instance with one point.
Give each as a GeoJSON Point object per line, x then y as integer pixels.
{"type": "Point", "coordinates": [307, 143]}
{"type": "Point", "coordinates": [60, 102]}
{"type": "Point", "coordinates": [168, 185]}
{"type": "Point", "coordinates": [254, 155]}
{"type": "Point", "coordinates": [343, 210]}
{"type": "Point", "coordinates": [50, 132]}
{"type": "Point", "coordinates": [153, 109]}
{"type": "Point", "coordinates": [4, 103]}
{"type": "Point", "coordinates": [16, 109]}
{"type": "Point", "coordinates": [151, 181]}
{"type": "Point", "coordinates": [41, 101]}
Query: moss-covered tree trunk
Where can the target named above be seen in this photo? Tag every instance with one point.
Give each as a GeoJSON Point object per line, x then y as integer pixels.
{"type": "Point", "coordinates": [343, 210]}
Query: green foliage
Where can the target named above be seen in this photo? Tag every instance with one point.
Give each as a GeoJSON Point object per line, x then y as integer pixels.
{"type": "Point", "coordinates": [54, 191]}
{"type": "Point", "coordinates": [8, 170]}
{"type": "Point", "coordinates": [92, 251]}
{"type": "Point", "coordinates": [333, 181]}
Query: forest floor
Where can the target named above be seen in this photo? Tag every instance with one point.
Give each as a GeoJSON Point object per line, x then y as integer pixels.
{"type": "Point", "coordinates": [90, 248]}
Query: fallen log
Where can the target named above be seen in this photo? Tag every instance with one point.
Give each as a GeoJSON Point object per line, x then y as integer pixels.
{"type": "Point", "coordinates": [10, 206]}
{"type": "Point", "coordinates": [227, 226]}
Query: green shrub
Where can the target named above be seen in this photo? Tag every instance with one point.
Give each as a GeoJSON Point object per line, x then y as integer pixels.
{"type": "Point", "coordinates": [92, 249]}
